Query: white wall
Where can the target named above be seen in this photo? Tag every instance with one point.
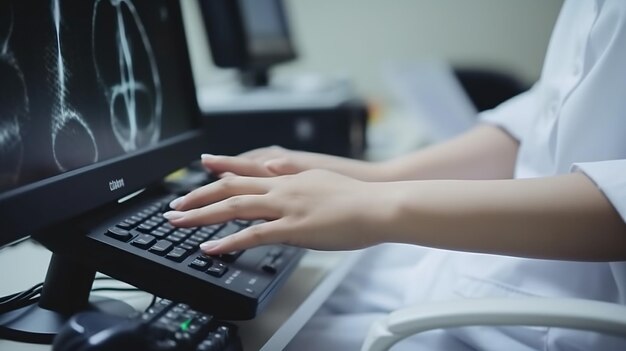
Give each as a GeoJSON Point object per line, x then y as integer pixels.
{"type": "Point", "coordinates": [357, 38]}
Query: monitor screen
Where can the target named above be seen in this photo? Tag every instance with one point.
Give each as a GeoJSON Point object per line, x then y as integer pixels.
{"type": "Point", "coordinates": [265, 26]}
{"type": "Point", "coordinates": [250, 35]}
{"type": "Point", "coordinates": [95, 96]}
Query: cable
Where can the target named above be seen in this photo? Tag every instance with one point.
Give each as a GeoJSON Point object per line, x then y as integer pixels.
{"type": "Point", "coordinates": [20, 295]}
{"type": "Point", "coordinates": [4, 308]}
{"type": "Point", "coordinates": [21, 299]}
{"type": "Point", "coordinates": [32, 295]}
{"type": "Point", "coordinates": [114, 289]}
{"type": "Point", "coordinates": [154, 299]}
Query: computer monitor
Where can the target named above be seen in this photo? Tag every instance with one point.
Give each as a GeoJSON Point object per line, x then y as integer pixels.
{"type": "Point", "coordinates": [97, 102]}
{"type": "Point", "coordinates": [250, 35]}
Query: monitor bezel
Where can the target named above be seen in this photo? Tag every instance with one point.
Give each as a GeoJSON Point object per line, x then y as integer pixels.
{"type": "Point", "coordinates": [229, 39]}
{"type": "Point", "coordinates": [30, 208]}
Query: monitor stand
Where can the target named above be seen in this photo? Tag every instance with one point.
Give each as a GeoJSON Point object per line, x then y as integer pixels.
{"type": "Point", "coordinates": [253, 78]}
{"type": "Point", "coordinates": [65, 292]}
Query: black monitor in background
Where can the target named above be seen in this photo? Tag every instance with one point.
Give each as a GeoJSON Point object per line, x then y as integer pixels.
{"type": "Point", "coordinates": [250, 35]}
{"type": "Point", "coordinates": [97, 102]}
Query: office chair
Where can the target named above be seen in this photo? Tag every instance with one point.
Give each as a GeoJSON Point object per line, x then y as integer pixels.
{"type": "Point", "coordinates": [488, 88]}
{"type": "Point", "coordinates": [550, 312]}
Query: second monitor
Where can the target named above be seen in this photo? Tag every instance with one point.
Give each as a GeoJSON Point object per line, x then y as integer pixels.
{"type": "Point", "coordinates": [250, 35]}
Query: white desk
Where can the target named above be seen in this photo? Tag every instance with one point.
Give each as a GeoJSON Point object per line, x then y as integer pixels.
{"type": "Point", "coordinates": [317, 275]}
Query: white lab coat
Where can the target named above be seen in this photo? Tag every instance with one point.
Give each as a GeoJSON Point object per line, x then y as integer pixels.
{"type": "Point", "coordinates": [573, 119]}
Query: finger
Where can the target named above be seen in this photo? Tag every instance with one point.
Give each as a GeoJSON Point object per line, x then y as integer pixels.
{"type": "Point", "coordinates": [283, 166]}
{"type": "Point", "coordinates": [236, 207]}
{"type": "Point", "coordinates": [259, 234]}
{"type": "Point", "coordinates": [237, 165]}
{"type": "Point", "coordinates": [263, 154]}
{"type": "Point", "coordinates": [220, 190]}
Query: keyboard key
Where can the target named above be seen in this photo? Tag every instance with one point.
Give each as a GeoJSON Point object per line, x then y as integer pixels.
{"type": "Point", "coordinates": [198, 238]}
{"type": "Point", "coordinates": [144, 241]}
{"type": "Point", "coordinates": [217, 269]}
{"type": "Point", "coordinates": [136, 218]}
{"type": "Point", "coordinates": [119, 234]}
{"type": "Point", "coordinates": [228, 229]}
{"type": "Point", "coordinates": [269, 268]}
{"type": "Point", "coordinates": [159, 233]}
{"type": "Point", "coordinates": [179, 234]}
{"type": "Point", "coordinates": [210, 229]}
{"type": "Point", "coordinates": [186, 247]}
{"type": "Point", "coordinates": [125, 225]}
{"type": "Point", "coordinates": [205, 257]}
{"type": "Point", "coordinates": [177, 254]}
{"type": "Point", "coordinates": [275, 251]}
{"type": "Point", "coordinates": [145, 227]}
{"type": "Point", "coordinates": [161, 247]}
{"type": "Point", "coordinates": [231, 256]}
{"type": "Point", "coordinates": [192, 242]}
{"type": "Point", "coordinates": [174, 239]}
{"type": "Point", "coordinates": [242, 222]}
{"type": "Point", "coordinates": [199, 264]}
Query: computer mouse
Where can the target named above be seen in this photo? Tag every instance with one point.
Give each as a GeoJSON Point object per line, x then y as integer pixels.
{"type": "Point", "coordinates": [97, 331]}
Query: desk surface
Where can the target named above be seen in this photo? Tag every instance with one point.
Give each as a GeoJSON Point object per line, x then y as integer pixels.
{"type": "Point", "coordinates": [317, 275]}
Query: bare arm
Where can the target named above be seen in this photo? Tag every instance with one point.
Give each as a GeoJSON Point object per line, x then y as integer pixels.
{"type": "Point", "coordinates": [485, 152]}
{"type": "Point", "coordinates": [562, 217]}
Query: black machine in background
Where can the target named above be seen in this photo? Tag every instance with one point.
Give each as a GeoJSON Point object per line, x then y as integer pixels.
{"type": "Point", "coordinates": [92, 122]}
{"type": "Point", "coordinates": [250, 35]}
{"type": "Point", "coordinates": [336, 128]}
{"type": "Point", "coordinates": [253, 36]}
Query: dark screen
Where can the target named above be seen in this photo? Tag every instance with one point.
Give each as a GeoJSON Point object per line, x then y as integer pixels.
{"type": "Point", "coordinates": [84, 81]}
{"type": "Point", "coordinates": [266, 27]}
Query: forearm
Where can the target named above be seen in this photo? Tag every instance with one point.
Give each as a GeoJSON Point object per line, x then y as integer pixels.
{"type": "Point", "coordinates": [484, 152]}
{"type": "Point", "coordinates": [563, 217]}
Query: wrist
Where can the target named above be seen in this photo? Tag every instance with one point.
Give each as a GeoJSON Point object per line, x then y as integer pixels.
{"type": "Point", "coordinates": [378, 219]}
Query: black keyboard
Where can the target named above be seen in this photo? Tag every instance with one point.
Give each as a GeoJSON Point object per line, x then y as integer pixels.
{"type": "Point", "coordinates": [164, 326]}
{"type": "Point", "coordinates": [149, 230]}
{"type": "Point", "coordinates": [140, 247]}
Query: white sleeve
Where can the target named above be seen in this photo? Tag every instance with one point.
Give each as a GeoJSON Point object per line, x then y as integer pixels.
{"type": "Point", "coordinates": [610, 177]}
{"type": "Point", "coordinates": [515, 115]}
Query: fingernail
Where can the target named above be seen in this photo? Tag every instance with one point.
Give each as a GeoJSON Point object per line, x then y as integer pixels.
{"type": "Point", "coordinates": [173, 215]}
{"type": "Point", "coordinates": [209, 245]}
{"type": "Point", "coordinates": [207, 156]}
{"type": "Point", "coordinates": [176, 202]}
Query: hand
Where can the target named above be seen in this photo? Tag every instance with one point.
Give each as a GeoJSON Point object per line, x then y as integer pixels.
{"type": "Point", "coordinates": [264, 162]}
{"type": "Point", "coordinates": [315, 209]}
{"type": "Point", "coordinates": [275, 160]}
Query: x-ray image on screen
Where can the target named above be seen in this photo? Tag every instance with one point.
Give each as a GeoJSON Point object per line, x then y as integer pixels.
{"type": "Point", "coordinates": [131, 83]}
{"type": "Point", "coordinates": [86, 81]}
{"type": "Point", "coordinates": [13, 103]}
{"type": "Point", "coordinates": [69, 129]}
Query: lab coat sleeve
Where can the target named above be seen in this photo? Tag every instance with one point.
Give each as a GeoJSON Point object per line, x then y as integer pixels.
{"type": "Point", "coordinates": [610, 177]}
{"type": "Point", "coordinates": [514, 115]}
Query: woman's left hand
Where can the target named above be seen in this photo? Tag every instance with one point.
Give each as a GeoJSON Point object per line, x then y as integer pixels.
{"type": "Point", "coordinates": [315, 209]}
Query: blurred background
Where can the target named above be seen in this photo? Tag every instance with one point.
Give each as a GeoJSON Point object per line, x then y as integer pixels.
{"type": "Point", "coordinates": [357, 38]}
{"type": "Point", "coordinates": [380, 47]}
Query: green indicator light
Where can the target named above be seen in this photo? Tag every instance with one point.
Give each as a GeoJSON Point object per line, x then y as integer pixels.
{"type": "Point", "coordinates": [185, 325]}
